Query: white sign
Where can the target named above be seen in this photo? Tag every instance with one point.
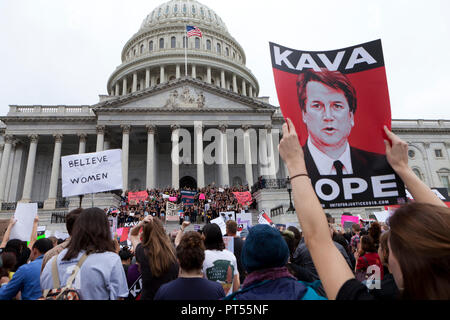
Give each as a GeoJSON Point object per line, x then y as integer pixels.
{"type": "Point", "coordinates": [244, 216]}
{"type": "Point", "coordinates": [221, 223]}
{"type": "Point", "coordinates": [25, 214]}
{"type": "Point", "coordinates": [382, 216]}
{"type": "Point", "coordinates": [229, 243]}
{"type": "Point", "coordinates": [91, 173]}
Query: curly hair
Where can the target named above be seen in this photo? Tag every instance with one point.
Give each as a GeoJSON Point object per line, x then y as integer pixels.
{"type": "Point", "coordinates": [191, 251]}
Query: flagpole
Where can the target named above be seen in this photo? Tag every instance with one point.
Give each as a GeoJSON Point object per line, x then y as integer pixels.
{"type": "Point", "coordinates": [185, 50]}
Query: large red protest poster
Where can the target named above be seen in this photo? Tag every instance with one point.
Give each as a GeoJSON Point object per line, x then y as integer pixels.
{"type": "Point", "coordinates": [339, 103]}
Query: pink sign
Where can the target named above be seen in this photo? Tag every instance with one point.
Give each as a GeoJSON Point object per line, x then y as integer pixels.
{"type": "Point", "coordinates": [349, 219]}
{"type": "Point", "coordinates": [173, 199]}
{"type": "Point", "coordinates": [201, 196]}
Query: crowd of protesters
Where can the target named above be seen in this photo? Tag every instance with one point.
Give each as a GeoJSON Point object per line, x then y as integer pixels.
{"type": "Point", "coordinates": [408, 258]}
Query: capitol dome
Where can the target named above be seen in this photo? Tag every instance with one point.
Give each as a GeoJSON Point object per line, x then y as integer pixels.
{"type": "Point", "coordinates": [156, 53]}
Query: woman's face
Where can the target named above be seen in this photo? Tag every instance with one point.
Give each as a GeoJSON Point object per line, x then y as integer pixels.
{"type": "Point", "coordinates": [394, 267]}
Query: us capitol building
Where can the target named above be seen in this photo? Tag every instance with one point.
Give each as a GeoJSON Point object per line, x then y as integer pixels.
{"type": "Point", "coordinates": [152, 99]}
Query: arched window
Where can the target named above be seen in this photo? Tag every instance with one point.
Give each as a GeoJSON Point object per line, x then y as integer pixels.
{"type": "Point", "coordinates": [202, 12]}
{"type": "Point", "coordinates": [184, 9]}
{"type": "Point", "coordinates": [208, 44]}
{"type": "Point", "coordinates": [150, 46]}
{"type": "Point", "coordinates": [444, 176]}
{"type": "Point", "coordinates": [193, 9]}
{"type": "Point", "coordinates": [197, 43]}
{"type": "Point", "coordinates": [219, 49]}
{"type": "Point", "coordinates": [418, 173]}
{"type": "Point", "coordinates": [173, 42]}
{"type": "Point", "coordinates": [159, 12]}
{"type": "Point", "coordinates": [134, 52]}
{"type": "Point", "coordinates": [184, 42]}
{"type": "Point", "coordinates": [227, 51]}
{"type": "Point", "coordinates": [167, 9]}
{"type": "Point", "coordinates": [161, 43]}
{"type": "Point", "coordinates": [142, 48]}
{"type": "Point", "coordinates": [175, 8]}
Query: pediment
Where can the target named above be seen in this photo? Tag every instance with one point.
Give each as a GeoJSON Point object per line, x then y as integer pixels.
{"type": "Point", "coordinates": [186, 95]}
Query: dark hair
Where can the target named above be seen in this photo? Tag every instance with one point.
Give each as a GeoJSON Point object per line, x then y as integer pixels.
{"type": "Point", "coordinates": [91, 232]}
{"type": "Point", "coordinates": [71, 217]}
{"type": "Point", "coordinates": [43, 245]}
{"type": "Point", "coordinates": [384, 239]}
{"type": "Point", "coordinates": [367, 245]}
{"type": "Point", "coordinates": [125, 254]}
{"type": "Point", "coordinates": [231, 226]}
{"type": "Point", "coordinates": [375, 232]}
{"type": "Point", "coordinates": [420, 241]}
{"type": "Point", "coordinates": [213, 237]}
{"type": "Point", "coordinates": [9, 262]}
{"type": "Point", "coordinates": [356, 227]}
{"type": "Point", "coordinates": [339, 238]}
{"type": "Point", "coordinates": [333, 79]}
{"type": "Point", "coordinates": [289, 237]}
{"type": "Point", "coordinates": [297, 234]}
{"type": "Point", "coordinates": [20, 249]}
{"type": "Point", "coordinates": [191, 251]}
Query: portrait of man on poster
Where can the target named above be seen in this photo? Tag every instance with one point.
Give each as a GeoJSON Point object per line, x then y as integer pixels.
{"type": "Point", "coordinates": [328, 103]}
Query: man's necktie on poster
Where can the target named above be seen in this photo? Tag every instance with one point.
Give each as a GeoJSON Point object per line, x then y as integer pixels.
{"type": "Point", "coordinates": [338, 166]}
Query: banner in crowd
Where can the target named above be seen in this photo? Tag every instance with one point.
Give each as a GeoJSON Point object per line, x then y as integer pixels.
{"type": "Point", "coordinates": [244, 218]}
{"type": "Point", "coordinates": [172, 211]}
{"type": "Point", "coordinates": [243, 198]}
{"type": "Point", "coordinates": [187, 197]}
{"type": "Point", "coordinates": [91, 173]}
{"type": "Point", "coordinates": [136, 197]}
{"type": "Point", "coordinates": [24, 214]}
{"type": "Point", "coordinates": [173, 199]}
{"type": "Point", "coordinates": [339, 103]}
{"type": "Point", "coordinates": [348, 221]}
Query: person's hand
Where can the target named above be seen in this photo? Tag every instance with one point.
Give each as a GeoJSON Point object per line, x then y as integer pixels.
{"type": "Point", "coordinates": [12, 221]}
{"type": "Point", "coordinates": [184, 225]}
{"type": "Point", "coordinates": [36, 219]}
{"type": "Point", "coordinates": [147, 219]}
{"type": "Point", "coordinates": [396, 151]}
{"type": "Point", "coordinates": [290, 150]}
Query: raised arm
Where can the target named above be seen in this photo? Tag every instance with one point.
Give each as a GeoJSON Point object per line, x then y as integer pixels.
{"type": "Point", "coordinates": [33, 236]}
{"type": "Point", "coordinates": [134, 232]}
{"type": "Point", "coordinates": [397, 156]}
{"type": "Point", "coordinates": [5, 240]}
{"type": "Point", "coordinates": [180, 233]}
{"type": "Point", "coordinates": [331, 266]}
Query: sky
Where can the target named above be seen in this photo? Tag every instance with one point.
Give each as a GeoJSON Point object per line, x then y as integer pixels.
{"type": "Point", "coordinates": [62, 52]}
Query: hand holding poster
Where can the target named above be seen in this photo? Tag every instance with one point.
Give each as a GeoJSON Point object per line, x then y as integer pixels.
{"type": "Point", "coordinates": [91, 173]}
{"type": "Point", "coordinates": [25, 214]}
{"type": "Point", "coordinates": [339, 104]}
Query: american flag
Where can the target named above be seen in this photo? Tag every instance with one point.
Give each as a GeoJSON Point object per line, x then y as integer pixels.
{"type": "Point", "coordinates": [193, 31]}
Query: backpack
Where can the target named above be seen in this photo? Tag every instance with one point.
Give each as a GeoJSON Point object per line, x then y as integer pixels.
{"type": "Point", "coordinates": [67, 292]}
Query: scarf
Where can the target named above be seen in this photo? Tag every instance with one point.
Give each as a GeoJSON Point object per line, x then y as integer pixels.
{"type": "Point", "coordinates": [267, 274]}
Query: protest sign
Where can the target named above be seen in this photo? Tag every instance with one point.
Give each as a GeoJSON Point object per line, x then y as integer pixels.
{"type": "Point", "coordinates": [229, 243]}
{"type": "Point", "coordinates": [228, 215]}
{"type": "Point", "coordinates": [187, 197]}
{"type": "Point", "coordinates": [339, 103]}
{"type": "Point", "coordinates": [172, 211]}
{"type": "Point", "coordinates": [112, 225]}
{"type": "Point", "coordinates": [348, 221]}
{"type": "Point", "coordinates": [243, 198]}
{"type": "Point", "coordinates": [136, 197]}
{"type": "Point", "coordinates": [24, 214]}
{"type": "Point", "coordinates": [221, 223]}
{"type": "Point", "coordinates": [41, 232]}
{"type": "Point", "coordinates": [382, 216]}
{"type": "Point", "coordinates": [263, 218]}
{"type": "Point", "coordinates": [61, 235]}
{"type": "Point", "coordinates": [173, 199]}
{"type": "Point", "coordinates": [244, 216]}
{"type": "Point", "coordinates": [201, 196]}
{"type": "Point", "coordinates": [91, 173]}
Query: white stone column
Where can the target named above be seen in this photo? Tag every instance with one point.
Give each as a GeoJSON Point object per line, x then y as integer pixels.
{"type": "Point", "coordinates": [1, 153]}
{"type": "Point", "coordinates": [100, 138]}
{"type": "Point", "coordinates": [50, 203]}
{"type": "Point", "coordinates": [162, 76]}
{"type": "Point", "coordinates": [9, 171]}
{"type": "Point", "coordinates": [178, 72]}
{"type": "Point", "coordinates": [135, 82]}
{"type": "Point", "coordinates": [244, 88]}
{"type": "Point", "coordinates": [248, 156]}
{"type": "Point", "coordinates": [427, 156]}
{"type": "Point", "coordinates": [194, 71]}
{"type": "Point", "coordinates": [125, 155]}
{"type": "Point", "coordinates": [141, 84]}
{"type": "Point", "coordinates": [4, 166]}
{"type": "Point", "coordinates": [29, 173]}
{"type": "Point", "coordinates": [263, 163]}
{"type": "Point", "coordinates": [151, 159]}
{"type": "Point", "coordinates": [117, 93]}
{"type": "Point", "coordinates": [124, 87]}
{"type": "Point", "coordinates": [198, 149]}
{"type": "Point", "coordinates": [250, 93]}
{"type": "Point", "coordinates": [222, 79]}
{"type": "Point", "coordinates": [147, 78]}
{"type": "Point", "coordinates": [223, 156]}
{"type": "Point", "coordinates": [82, 146]}
{"type": "Point", "coordinates": [208, 75]}
{"type": "Point", "coordinates": [175, 157]}
{"type": "Point", "coordinates": [235, 88]}
{"type": "Point", "coordinates": [16, 171]}
{"type": "Point", "coordinates": [272, 153]}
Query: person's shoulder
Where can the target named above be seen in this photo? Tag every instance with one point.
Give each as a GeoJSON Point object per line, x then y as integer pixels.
{"type": "Point", "coordinates": [353, 290]}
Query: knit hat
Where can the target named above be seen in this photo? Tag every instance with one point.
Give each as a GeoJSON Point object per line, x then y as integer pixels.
{"type": "Point", "coordinates": [264, 248]}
